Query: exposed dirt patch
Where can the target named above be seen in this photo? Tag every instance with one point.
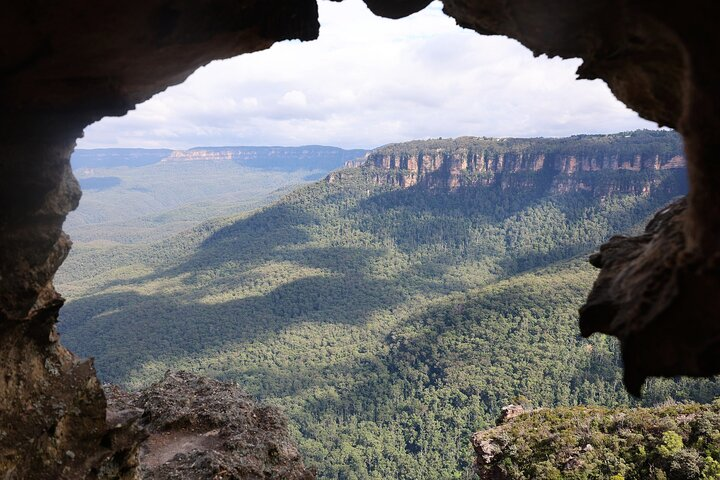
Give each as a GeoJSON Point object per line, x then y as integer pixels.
{"type": "Point", "coordinates": [160, 448]}
{"type": "Point", "coordinates": [201, 428]}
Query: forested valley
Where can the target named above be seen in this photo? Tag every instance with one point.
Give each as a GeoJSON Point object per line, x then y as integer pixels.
{"type": "Point", "coordinates": [389, 323]}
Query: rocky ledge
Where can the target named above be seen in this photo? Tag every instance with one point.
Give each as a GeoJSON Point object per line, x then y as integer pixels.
{"type": "Point", "coordinates": [198, 428]}
{"type": "Point", "coordinates": [672, 442]}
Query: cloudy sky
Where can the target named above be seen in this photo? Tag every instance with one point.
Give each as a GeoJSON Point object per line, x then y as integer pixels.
{"type": "Point", "coordinates": [369, 81]}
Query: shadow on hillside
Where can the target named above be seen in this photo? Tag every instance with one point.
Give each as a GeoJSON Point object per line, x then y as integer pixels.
{"type": "Point", "coordinates": [588, 229]}
{"type": "Point", "coordinates": [473, 355]}
{"type": "Point", "coordinates": [123, 330]}
{"type": "Point", "coordinates": [478, 353]}
{"type": "Point", "coordinates": [335, 282]}
{"type": "Point", "coordinates": [241, 246]}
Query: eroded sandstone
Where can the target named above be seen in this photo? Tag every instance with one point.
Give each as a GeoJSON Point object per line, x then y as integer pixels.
{"type": "Point", "coordinates": [558, 165]}
{"type": "Point", "coordinates": [658, 298]}
{"type": "Point", "coordinates": [201, 428]}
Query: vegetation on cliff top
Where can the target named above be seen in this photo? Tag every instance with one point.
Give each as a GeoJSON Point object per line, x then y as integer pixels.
{"type": "Point", "coordinates": [625, 145]}
{"type": "Point", "coordinates": [670, 442]}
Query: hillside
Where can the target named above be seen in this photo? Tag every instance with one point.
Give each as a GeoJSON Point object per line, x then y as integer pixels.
{"type": "Point", "coordinates": [390, 321]}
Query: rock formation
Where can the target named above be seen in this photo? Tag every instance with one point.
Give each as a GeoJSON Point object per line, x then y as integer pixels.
{"type": "Point", "coordinates": [560, 165]}
{"type": "Point", "coordinates": [200, 428]}
{"type": "Point", "coordinates": [646, 284]}
{"type": "Point", "coordinates": [508, 412]}
{"type": "Point", "coordinates": [67, 64]}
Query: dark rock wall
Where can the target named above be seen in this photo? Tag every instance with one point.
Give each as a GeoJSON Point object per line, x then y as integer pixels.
{"type": "Point", "coordinates": [67, 64]}
{"type": "Point", "coordinates": [659, 297]}
{"type": "Point", "coordinates": [63, 66]}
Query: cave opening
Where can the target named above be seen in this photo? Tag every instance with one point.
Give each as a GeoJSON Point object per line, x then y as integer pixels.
{"type": "Point", "coordinates": [52, 93]}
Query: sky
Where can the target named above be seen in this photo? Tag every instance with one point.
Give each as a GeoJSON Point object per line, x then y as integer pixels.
{"type": "Point", "coordinates": [369, 81]}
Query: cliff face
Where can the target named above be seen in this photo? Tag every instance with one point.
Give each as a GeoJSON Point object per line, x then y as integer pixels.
{"type": "Point", "coordinates": [601, 164]}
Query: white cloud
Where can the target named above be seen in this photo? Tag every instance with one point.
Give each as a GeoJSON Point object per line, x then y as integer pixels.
{"type": "Point", "coordinates": [250, 103]}
{"type": "Point", "coordinates": [293, 99]}
{"type": "Point", "coordinates": [369, 81]}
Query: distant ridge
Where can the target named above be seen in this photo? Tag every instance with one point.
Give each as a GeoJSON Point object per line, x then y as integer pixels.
{"type": "Point", "coordinates": [309, 157]}
{"type": "Point", "coordinates": [117, 157]}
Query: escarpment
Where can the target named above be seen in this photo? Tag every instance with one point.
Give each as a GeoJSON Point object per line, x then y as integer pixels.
{"type": "Point", "coordinates": [634, 162]}
{"type": "Point", "coordinates": [278, 158]}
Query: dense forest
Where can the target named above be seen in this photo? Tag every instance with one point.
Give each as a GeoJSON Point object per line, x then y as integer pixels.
{"type": "Point", "coordinates": [622, 145]}
{"type": "Point", "coordinates": [389, 323]}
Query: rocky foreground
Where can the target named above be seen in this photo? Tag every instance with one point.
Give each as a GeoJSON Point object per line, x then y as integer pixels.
{"type": "Point", "coordinates": [672, 442]}
{"type": "Point", "coordinates": [198, 428]}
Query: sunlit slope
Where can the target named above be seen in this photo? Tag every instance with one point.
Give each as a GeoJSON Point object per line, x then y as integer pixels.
{"type": "Point", "coordinates": [446, 371]}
